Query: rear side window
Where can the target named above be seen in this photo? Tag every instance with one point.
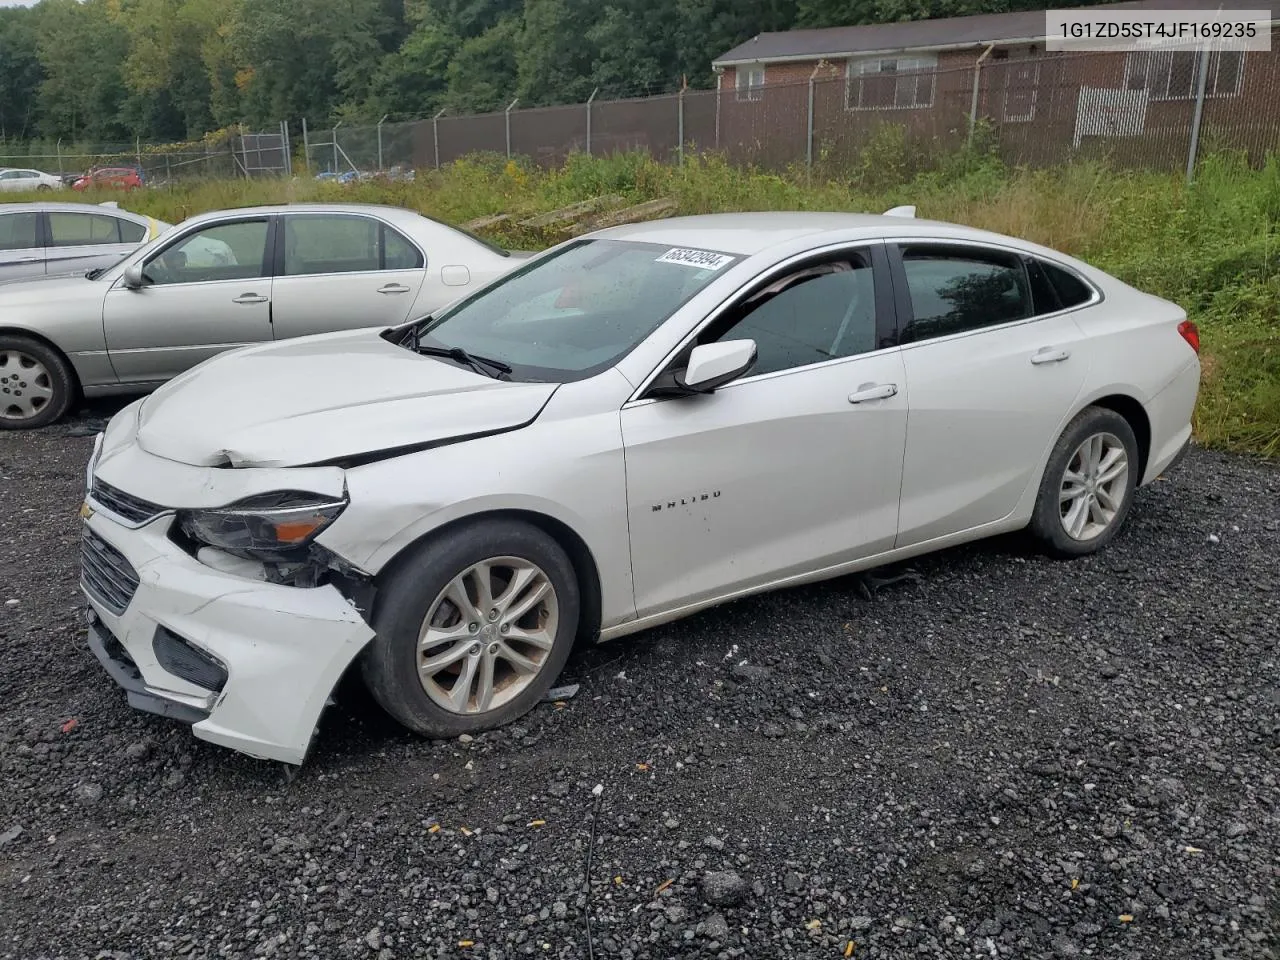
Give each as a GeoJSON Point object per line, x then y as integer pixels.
{"type": "Point", "coordinates": [1054, 288]}
{"type": "Point", "coordinates": [82, 229]}
{"type": "Point", "coordinates": [957, 289]}
{"type": "Point", "coordinates": [1071, 290]}
{"type": "Point", "coordinates": [131, 232]}
{"type": "Point", "coordinates": [17, 231]}
{"type": "Point", "coordinates": [339, 243]}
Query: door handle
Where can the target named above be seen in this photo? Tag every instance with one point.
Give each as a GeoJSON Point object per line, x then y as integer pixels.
{"type": "Point", "coordinates": [874, 391]}
{"type": "Point", "coordinates": [250, 298]}
{"type": "Point", "coordinates": [393, 288]}
{"type": "Point", "coordinates": [1049, 355]}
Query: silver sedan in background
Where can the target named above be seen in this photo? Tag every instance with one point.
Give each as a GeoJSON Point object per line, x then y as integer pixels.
{"type": "Point", "coordinates": [224, 280]}
{"type": "Point", "coordinates": [37, 239]}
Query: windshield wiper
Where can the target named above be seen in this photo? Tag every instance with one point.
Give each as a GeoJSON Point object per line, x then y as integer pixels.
{"type": "Point", "coordinates": [95, 273]}
{"type": "Point", "coordinates": [458, 355]}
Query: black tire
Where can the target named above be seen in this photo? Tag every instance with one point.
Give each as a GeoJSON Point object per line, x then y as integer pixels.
{"type": "Point", "coordinates": [1047, 524]}
{"type": "Point", "coordinates": [43, 186]}
{"type": "Point", "coordinates": [57, 371]}
{"type": "Point", "coordinates": [405, 597]}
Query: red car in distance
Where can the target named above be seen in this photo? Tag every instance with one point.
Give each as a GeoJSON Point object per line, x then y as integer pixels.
{"type": "Point", "coordinates": [117, 178]}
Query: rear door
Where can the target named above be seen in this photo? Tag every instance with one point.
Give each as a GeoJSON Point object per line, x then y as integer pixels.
{"type": "Point", "coordinates": [993, 366]}
{"type": "Point", "coordinates": [207, 290]}
{"type": "Point", "coordinates": [342, 271]}
{"type": "Point", "coordinates": [81, 241]}
{"type": "Point", "coordinates": [21, 245]}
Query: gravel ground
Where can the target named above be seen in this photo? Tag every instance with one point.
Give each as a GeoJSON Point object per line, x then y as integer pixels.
{"type": "Point", "coordinates": [1012, 758]}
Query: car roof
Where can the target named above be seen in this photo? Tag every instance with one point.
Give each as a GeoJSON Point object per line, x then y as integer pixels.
{"type": "Point", "coordinates": [746, 234]}
{"type": "Point", "coordinates": [57, 207]}
{"type": "Point", "coordinates": [386, 211]}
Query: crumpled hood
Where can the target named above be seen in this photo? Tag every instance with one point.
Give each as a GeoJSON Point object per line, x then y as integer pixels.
{"type": "Point", "coordinates": [317, 399]}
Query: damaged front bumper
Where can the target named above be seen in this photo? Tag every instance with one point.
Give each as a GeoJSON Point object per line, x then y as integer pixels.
{"type": "Point", "coordinates": [249, 663]}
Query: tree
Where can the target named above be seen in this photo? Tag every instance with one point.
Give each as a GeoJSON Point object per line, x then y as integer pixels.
{"type": "Point", "coordinates": [555, 55]}
{"type": "Point", "coordinates": [482, 74]}
{"type": "Point", "coordinates": [81, 49]}
{"type": "Point", "coordinates": [707, 28]}
{"type": "Point", "coordinates": [634, 53]}
{"type": "Point", "coordinates": [20, 72]}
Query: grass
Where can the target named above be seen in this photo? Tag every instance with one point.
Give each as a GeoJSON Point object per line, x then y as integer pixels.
{"type": "Point", "coordinates": [1211, 247]}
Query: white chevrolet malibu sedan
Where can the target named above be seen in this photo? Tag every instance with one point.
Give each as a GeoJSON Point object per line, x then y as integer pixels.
{"type": "Point", "coordinates": [633, 426]}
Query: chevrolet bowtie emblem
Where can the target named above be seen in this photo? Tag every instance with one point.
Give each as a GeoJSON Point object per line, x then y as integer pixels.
{"type": "Point", "coordinates": [86, 511]}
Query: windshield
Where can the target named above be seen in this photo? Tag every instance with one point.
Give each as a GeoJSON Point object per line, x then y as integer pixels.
{"type": "Point", "coordinates": [578, 311]}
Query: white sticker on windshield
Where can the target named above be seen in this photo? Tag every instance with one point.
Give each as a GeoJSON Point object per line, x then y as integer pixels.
{"type": "Point", "coordinates": [699, 259]}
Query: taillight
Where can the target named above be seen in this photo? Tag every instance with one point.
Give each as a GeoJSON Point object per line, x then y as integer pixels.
{"type": "Point", "coordinates": [1190, 333]}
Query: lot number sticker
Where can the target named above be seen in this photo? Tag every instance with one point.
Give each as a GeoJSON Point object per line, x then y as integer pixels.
{"type": "Point", "coordinates": [698, 259]}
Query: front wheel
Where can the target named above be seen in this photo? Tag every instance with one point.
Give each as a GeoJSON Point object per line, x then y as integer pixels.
{"type": "Point", "coordinates": [1088, 484]}
{"type": "Point", "coordinates": [472, 629]}
{"type": "Point", "coordinates": [36, 385]}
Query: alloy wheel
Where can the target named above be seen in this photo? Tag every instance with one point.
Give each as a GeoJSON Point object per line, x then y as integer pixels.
{"type": "Point", "coordinates": [487, 635]}
{"type": "Point", "coordinates": [1094, 486]}
{"type": "Point", "coordinates": [25, 386]}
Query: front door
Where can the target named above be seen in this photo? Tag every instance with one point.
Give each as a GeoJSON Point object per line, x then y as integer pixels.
{"type": "Point", "coordinates": [205, 292]}
{"type": "Point", "coordinates": [794, 468]}
{"type": "Point", "coordinates": [340, 272]}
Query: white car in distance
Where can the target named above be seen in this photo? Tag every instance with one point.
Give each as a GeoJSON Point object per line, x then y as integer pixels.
{"type": "Point", "coordinates": [19, 180]}
{"type": "Point", "coordinates": [633, 426]}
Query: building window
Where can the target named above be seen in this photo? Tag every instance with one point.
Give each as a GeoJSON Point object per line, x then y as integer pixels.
{"type": "Point", "coordinates": [1021, 84]}
{"type": "Point", "coordinates": [750, 80]}
{"type": "Point", "coordinates": [1175, 74]}
{"type": "Point", "coordinates": [891, 83]}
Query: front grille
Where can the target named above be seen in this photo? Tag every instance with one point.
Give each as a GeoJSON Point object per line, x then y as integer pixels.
{"type": "Point", "coordinates": [105, 573]}
{"type": "Point", "coordinates": [183, 660]}
{"type": "Point", "coordinates": [125, 505]}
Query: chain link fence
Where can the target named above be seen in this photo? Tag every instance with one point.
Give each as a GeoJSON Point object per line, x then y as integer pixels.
{"type": "Point", "coordinates": [245, 155]}
{"type": "Point", "coordinates": [1142, 109]}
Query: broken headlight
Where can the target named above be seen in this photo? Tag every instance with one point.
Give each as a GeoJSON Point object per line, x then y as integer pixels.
{"type": "Point", "coordinates": [268, 526]}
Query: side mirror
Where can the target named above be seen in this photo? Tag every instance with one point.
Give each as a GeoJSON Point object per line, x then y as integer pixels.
{"type": "Point", "coordinates": [712, 365]}
{"type": "Point", "coordinates": [133, 278]}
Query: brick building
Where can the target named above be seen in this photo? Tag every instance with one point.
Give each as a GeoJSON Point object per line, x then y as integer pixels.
{"type": "Point", "coordinates": [931, 76]}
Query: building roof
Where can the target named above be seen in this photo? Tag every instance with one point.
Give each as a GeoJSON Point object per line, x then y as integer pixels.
{"type": "Point", "coordinates": [948, 33]}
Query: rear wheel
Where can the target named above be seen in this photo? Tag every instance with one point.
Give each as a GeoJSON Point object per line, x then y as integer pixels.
{"type": "Point", "coordinates": [1088, 484]}
{"type": "Point", "coordinates": [472, 629]}
{"type": "Point", "coordinates": [36, 384]}
{"type": "Point", "coordinates": [43, 186]}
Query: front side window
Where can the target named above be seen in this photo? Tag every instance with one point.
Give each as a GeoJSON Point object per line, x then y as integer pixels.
{"type": "Point", "coordinates": [222, 251]}
{"type": "Point", "coordinates": [957, 289]}
{"type": "Point", "coordinates": [815, 313]}
{"type": "Point", "coordinates": [82, 229]}
{"type": "Point", "coordinates": [579, 311]}
{"type": "Point", "coordinates": [17, 231]}
{"type": "Point", "coordinates": [322, 243]}
{"type": "Point", "coordinates": [10, 174]}
{"type": "Point", "coordinates": [891, 83]}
